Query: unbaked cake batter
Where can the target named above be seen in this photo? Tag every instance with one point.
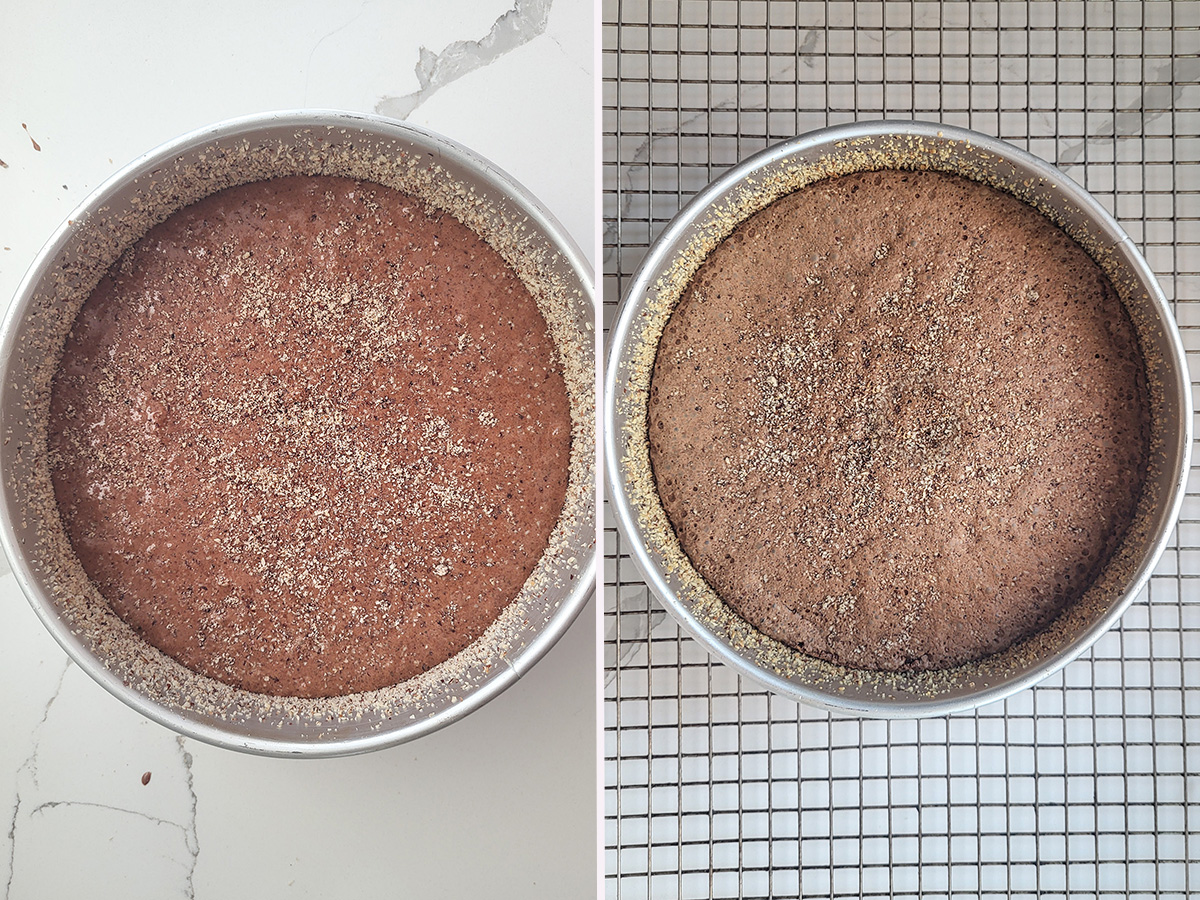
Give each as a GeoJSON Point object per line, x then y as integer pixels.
{"type": "Point", "coordinates": [310, 437]}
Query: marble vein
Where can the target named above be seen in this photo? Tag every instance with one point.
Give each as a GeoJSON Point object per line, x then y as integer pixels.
{"type": "Point", "coordinates": [41, 808]}
{"type": "Point", "coordinates": [638, 615]}
{"type": "Point", "coordinates": [29, 768]}
{"type": "Point", "coordinates": [28, 783]}
{"type": "Point", "coordinates": [582, 68]}
{"type": "Point", "coordinates": [526, 20]}
{"type": "Point", "coordinates": [191, 837]}
{"type": "Point", "coordinates": [1158, 98]}
{"type": "Point", "coordinates": [641, 160]}
{"type": "Point", "coordinates": [308, 66]}
{"type": "Point", "coordinates": [807, 49]}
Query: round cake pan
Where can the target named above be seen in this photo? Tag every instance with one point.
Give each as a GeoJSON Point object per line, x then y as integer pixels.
{"type": "Point", "coordinates": [63, 274]}
{"type": "Point", "coordinates": [656, 288]}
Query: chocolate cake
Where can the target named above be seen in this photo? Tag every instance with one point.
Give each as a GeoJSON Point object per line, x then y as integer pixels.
{"type": "Point", "coordinates": [309, 437]}
{"type": "Point", "coordinates": [899, 420]}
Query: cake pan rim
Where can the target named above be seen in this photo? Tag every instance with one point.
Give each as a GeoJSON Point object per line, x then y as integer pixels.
{"type": "Point", "coordinates": [145, 164]}
{"type": "Point", "coordinates": [655, 263]}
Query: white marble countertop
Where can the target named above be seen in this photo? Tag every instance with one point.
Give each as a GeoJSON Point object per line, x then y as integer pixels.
{"type": "Point", "coordinates": [501, 804]}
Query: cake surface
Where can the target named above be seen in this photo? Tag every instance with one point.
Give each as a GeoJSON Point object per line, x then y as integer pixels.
{"type": "Point", "coordinates": [898, 420]}
{"type": "Point", "coordinates": [309, 437]}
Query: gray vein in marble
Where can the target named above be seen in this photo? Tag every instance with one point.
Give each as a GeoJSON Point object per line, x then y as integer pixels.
{"type": "Point", "coordinates": [190, 835]}
{"type": "Point", "coordinates": [641, 160]}
{"type": "Point", "coordinates": [1158, 98]}
{"type": "Point", "coordinates": [582, 68]}
{"type": "Point", "coordinates": [29, 766]}
{"type": "Point", "coordinates": [29, 770]}
{"type": "Point", "coordinates": [55, 804]}
{"type": "Point", "coordinates": [521, 24]}
{"type": "Point", "coordinates": [808, 46]}
{"type": "Point", "coordinates": [308, 65]}
{"type": "Point", "coordinates": [638, 614]}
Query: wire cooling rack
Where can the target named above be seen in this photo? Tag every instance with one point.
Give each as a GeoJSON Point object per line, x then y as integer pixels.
{"type": "Point", "coordinates": [1086, 786]}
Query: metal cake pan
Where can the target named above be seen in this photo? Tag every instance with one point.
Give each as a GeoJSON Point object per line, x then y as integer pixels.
{"type": "Point", "coordinates": [648, 303]}
{"type": "Point", "coordinates": [91, 238]}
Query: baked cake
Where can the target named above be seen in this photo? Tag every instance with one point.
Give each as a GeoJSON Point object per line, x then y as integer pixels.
{"type": "Point", "coordinates": [309, 437]}
{"type": "Point", "coordinates": [899, 420]}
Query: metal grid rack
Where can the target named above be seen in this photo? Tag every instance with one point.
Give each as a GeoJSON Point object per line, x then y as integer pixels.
{"type": "Point", "coordinates": [1086, 786]}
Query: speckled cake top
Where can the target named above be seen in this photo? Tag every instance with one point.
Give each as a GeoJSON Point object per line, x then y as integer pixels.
{"type": "Point", "coordinates": [899, 420]}
{"type": "Point", "coordinates": [308, 437]}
